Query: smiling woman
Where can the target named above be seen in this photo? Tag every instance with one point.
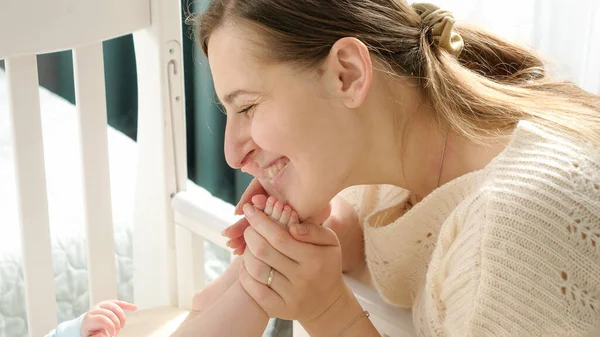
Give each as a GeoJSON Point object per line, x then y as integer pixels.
{"type": "Point", "coordinates": [498, 158]}
{"type": "Point", "coordinates": [285, 104]}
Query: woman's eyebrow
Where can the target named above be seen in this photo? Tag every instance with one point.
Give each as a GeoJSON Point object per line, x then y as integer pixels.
{"type": "Point", "coordinates": [229, 98]}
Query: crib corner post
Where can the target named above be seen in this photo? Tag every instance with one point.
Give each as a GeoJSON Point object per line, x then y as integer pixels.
{"type": "Point", "coordinates": [161, 158]}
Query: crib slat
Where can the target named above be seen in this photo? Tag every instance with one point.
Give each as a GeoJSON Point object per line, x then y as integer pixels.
{"type": "Point", "coordinates": [88, 67]}
{"type": "Point", "coordinates": [24, 107]}
{"type": "Point", "coordinates": [190, 265]}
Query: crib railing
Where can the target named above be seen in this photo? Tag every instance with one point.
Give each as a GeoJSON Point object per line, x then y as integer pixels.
{"type": "Point", "coordinates": [24, 108]}
{"type": "Point", "coordinates": [52, 26]}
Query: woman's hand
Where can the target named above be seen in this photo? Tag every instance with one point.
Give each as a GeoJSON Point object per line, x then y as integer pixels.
{"type": "Point", "coordinates": [235, 232]}
{"type": "Point", "coordinates": [307, 278]}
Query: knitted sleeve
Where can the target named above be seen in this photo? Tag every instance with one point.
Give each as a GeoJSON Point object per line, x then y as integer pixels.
{"type": "Point", "coordinates": [523, 259]}
{"type": "Point", "coordinates": [353, 195]}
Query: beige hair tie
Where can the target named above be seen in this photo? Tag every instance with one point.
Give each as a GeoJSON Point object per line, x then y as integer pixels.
{"type": "Point", "coordinates": [442, 24]}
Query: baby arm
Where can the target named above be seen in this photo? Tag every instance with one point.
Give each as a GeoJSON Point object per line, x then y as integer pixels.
{"type": "Point", "coordinates": [103, 320]}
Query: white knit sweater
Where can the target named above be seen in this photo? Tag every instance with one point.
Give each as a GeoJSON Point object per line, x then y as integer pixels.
{"type": "Point", "coordinates": [510, 250]}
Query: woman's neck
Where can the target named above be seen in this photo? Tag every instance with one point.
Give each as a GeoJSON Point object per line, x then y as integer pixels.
{"type": "Point", "coordinates": [406, 150]}
{"type": "Point", "coordinates": [464, 156]}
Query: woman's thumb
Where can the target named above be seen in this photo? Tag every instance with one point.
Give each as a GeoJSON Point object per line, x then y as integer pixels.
{"type": "Point", "coordinates": [253, 189]}
{"type": "Point", "coordinates": [314, 234]}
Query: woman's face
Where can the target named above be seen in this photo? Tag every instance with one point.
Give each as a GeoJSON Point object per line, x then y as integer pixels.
{"type": "Point", "coordinates": [283, 126]}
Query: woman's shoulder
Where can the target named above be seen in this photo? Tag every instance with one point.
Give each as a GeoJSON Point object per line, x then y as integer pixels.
{"type": "Point", "coordinates": [545, 167]}
{"type": "Point", "coordinates": [530, 236]}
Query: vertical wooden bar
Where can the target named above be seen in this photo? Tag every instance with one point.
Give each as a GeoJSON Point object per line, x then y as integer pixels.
{"type": "Point", "coordinates": [190, 265]}
{"type": "Point", "coordinates": [90, 95]}
{"type": "Point", "coordinates": [24, 107]}
{"type": "Point", "coordinates": [161, 155]}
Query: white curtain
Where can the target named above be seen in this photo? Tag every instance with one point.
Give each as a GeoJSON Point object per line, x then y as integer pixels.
{"type": "Point", "coordinates": [566, 32]}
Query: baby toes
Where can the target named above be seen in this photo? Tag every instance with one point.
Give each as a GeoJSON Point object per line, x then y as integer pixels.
{"type": "Point", "coordinates": [285, 215]}
{"type": "Point", "coordinates": [293, 218]}
{"type": "Point", "coordinates": [259, 201]}
{"type": "Point", "coordinates": [270, 204]}
{"type": "Point", "coordinates": [277, 210]}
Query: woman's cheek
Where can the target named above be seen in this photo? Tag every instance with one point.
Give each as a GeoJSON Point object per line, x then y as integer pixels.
{"type": "Point", "coordinates": [263, 131]}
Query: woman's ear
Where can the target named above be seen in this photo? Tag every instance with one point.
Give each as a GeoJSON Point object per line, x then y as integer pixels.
{"type": "Point", "coordinates": [349, 71]}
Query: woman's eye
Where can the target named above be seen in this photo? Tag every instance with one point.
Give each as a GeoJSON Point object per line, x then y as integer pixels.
{"type": "Point", "coordinates": [247, 109]}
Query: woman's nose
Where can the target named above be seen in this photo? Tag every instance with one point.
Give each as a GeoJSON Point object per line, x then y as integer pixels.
{"type": "Point", "coordinates": [239, 146]}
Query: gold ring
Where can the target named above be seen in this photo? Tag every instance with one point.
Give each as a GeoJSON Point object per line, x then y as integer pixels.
{"type": "Point", "coordinates": [270, 279]}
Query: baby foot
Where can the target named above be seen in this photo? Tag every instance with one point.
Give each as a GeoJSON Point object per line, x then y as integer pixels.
{"type": "Point", "coordinates": [276, 210]}
{"type": "Point", "coordinates": [273, 208]}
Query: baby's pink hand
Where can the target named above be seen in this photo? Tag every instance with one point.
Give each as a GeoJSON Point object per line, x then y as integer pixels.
{"type": "Point", "coordinates": [105, 319]}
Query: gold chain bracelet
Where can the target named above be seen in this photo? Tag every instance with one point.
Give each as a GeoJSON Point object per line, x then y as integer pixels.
{"type": "Point", "coordinates": [352, 322]}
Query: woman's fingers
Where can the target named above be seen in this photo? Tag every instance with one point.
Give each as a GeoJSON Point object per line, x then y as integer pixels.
{"type": "Point", "coordinates": [237, 229]}
{"type": "Point", "coordinates": [253, 189]}
{"type": "Point", "coordinates": [236, 243]}
{"type": "Point", "coordinates": [268, 299]}
{"type": "Point", "coordinates": [275, 235]}
{"type": "Point", "coordinates": [240, 251]}
{"type": "Point", "coordinates": [261, 272]}
{"type": "Point", "coordinates": [264, 251]}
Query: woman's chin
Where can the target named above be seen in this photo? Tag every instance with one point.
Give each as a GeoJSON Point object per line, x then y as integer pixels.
{"type": "Point", "coordinates": [271, 190]}
{"type": "Point", "coordinates": [318, 217]}
{"type": "Point", "coordinates": [307, 209]}
{"type": "Point", "coordinates": [310, 212]}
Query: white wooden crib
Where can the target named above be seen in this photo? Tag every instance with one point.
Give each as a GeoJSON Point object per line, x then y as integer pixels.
{"type": "Point", "coordinates": [170, 223]}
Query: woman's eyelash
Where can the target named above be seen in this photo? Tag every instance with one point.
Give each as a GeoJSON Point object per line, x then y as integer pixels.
{"type": "Point", "coordinates": [250, 107]}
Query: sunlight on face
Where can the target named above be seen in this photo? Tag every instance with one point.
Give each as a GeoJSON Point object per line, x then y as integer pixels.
{"type": "Point", "coordinates": [281, 125]}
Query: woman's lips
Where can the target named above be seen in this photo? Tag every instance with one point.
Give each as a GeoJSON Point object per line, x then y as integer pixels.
{"type": "Point", "coordinates": [269, 172]}
{"type": "Point", "coordinates": [276, 167]}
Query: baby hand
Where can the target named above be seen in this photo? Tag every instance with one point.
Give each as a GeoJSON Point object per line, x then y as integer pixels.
{"type": "Point", "coordinates": [105, 319]}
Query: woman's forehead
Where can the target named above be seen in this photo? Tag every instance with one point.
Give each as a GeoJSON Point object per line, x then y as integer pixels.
{"type": "Point", "coordinates": [232, 62]}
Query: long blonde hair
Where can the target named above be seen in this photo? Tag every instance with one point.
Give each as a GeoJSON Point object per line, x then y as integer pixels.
{"type": "Point", "coordinates": [486, 91]}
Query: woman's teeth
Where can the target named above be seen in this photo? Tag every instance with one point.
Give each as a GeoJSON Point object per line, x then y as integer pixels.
{"type": "Point", "coordinates": [275, 168]}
